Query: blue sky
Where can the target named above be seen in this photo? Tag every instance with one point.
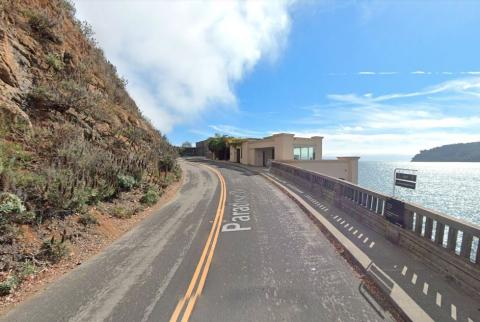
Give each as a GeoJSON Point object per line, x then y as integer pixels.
{"type": "Point", "coordinates": [378, 79]}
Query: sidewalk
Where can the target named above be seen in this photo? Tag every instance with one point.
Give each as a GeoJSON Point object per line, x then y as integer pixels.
{"type": "Point", "coordinates": [437, 296]}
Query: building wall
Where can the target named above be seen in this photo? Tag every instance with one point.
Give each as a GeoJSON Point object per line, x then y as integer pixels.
{"type": "Point", "coordinates": [345, 168]}
{"type": "Point", "coordinates": [282, 145]}
{"type": "Point", "coordinates": [202, 149]}
{"type": "Point", "coordinates": [315, 141]}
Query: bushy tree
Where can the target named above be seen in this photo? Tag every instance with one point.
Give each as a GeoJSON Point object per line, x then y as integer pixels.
{"type": "Point", "coordinates": [218, 145]}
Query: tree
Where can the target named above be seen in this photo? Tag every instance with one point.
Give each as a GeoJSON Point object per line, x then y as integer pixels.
{"type": "Point", "coordinates": [186, 144]}
{"type": "Point", "coordinates": [166, 164]}
{"type": "Point", "coordinates": [218, 145]}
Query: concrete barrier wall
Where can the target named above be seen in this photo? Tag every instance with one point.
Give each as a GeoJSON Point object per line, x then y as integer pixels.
{"type": "Point", "coordinates": [447, 243]}
{"type": "Point", "coordinates": [345, 168]}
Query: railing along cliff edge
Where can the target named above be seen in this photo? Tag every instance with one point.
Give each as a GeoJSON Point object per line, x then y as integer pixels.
{"type": "Point", "coordinates": [450, 244]}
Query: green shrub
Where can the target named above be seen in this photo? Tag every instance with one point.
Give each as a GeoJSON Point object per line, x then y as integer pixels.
{"type": "Point", "coordinates": [177, 171]}
{"type": "Point", "coordinates": [166, 164]}
{"type": "Point", "coordinates": [55, 62]}
{"type": "Point", "coordinates": [8, 232]}
{"type": "Point", "coordinates": [150, 197]}
{"type": "Point", "coordinates": [43, 25]}
{"type": "Point", "coordinates": [126, 182]}
{"type": "Point", "coordinates": [53, 250]}
{"type": "Point", "coordinates": [61, 96]}
{"type": "Point", "coordinates": [9, 285]}
{"type": "Point", "coordinates": [69, 6]}
{"type": "Point", "coordinates": [122, 212]}
{"type": "Point", "coordinates": [25, 218]}
{"type": "Point", "coordinates": [88, 219]}
{"type": "Point", "coordinates": [10, 203]}
{"type": "Point", "coordinates": [26, 269]}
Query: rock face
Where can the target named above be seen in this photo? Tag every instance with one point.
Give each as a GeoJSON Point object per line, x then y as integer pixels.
{"type": "Point", "coordinates": [64, 112]}
{"type": "Point", "coordinates": [70, 137]}
{"type": "Point", "coordinates": [461, 152]}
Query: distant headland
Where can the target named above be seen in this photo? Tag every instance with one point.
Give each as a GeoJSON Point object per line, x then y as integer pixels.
{"type": "Point", "coordinates": [460, 152]}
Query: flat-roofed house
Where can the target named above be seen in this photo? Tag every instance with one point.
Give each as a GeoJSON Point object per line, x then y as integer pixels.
{"type": "Point", "coordinates": [305, 153]}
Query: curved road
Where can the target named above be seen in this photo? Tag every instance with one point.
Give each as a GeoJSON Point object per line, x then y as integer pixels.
{"type": "Point", "coordinates": [265, 261]}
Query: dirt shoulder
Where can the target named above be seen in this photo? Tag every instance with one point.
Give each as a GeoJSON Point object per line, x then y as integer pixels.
{"type": "Point", "coordinates": [84, 241]}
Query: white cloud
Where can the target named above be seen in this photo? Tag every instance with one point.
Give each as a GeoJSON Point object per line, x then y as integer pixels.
{"type": "Point", "coordinates": [418, 72]}
{"type": "Point", "coordinates": [236, 131]}
{"type": "Point", "coordinates": [397, 123]}
{"type": "Point", "coordinates": [183, 57]}
{"type": "Point", "coordinates": [400, 144]}
{"type": "Point", "coordinates": [366, 73]}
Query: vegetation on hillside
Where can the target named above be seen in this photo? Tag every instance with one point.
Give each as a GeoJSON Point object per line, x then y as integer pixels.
{"type": "Point", "coordinates": [70, 135]}
{"type": "Point", "coordinates": [461, 152]}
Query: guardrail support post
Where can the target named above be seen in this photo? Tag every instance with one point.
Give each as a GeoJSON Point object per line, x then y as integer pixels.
{"type": "Point", "coordinates": [408, 220]}
{"type": "Point", "coordinates": [452, 239]}
{"type": "Point", "coordinates": [477, 259]}
{"type": "Point", "coordinates": [418, 224]}
{"type": "Point", "coordinates": [428, 228]}
{"type": "Point", "coordinates": [466, 245]}
{"type": "Point", "coordinates": [439, 233]}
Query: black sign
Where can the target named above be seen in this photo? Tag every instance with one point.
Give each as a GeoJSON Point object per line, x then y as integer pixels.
{"type": "Point", "coordinates": [406, 176]}
{"type": "Point", "coordinates": [405, 184]}
{"type": "Point", "coordinates": [394, 212]}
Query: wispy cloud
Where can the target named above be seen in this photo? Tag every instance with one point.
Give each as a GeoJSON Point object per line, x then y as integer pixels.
{"type": "Point", "coordinates": [366, 73]}
{"type": "Point", "coordinates": [415, 72]}
{"type": "Point", "coordinates": [397, 123]}
{"type": "Point", "coordinates": [387, 73]}
{"type": "Point", "coordinates": [236, 131]}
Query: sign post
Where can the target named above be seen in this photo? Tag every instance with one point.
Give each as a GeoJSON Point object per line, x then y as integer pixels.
{"type": "Point", "coordinates": [405, 180]}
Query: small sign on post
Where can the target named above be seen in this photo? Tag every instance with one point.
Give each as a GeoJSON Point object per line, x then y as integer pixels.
{"type": "Point", "coordinates": [394, 212]}
{"type": "Point", "coordinates": [405, 180]}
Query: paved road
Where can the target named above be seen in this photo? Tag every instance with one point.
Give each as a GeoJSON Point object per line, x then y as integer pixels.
{"type": "Point", "coordinates": [270, 263]}
{"type": "Point", "coordinates": [431, 289]}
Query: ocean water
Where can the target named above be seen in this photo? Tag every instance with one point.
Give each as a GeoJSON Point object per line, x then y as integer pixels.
{"type": "Point", "coordinates": [451, 188]}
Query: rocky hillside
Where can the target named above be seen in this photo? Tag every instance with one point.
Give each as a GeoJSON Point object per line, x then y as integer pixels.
{"type": "Point", "coordinates": [71, 137]}
{"type": "Point", "coordinates": [461, 152]}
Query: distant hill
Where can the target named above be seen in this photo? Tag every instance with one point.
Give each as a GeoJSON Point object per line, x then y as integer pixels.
{"type": "Point", "coordinates": [460, 152]}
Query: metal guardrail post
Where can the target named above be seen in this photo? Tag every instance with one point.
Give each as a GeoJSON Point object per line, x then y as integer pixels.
{"type": "Point", "coordinates": [439, 233]}
{"type": "Point", "coordinates": [452, 239]}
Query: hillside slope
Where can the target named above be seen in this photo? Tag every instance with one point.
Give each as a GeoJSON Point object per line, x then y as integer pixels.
{"type": "Point", "coordinates": [461, 152]}
{"type": "Point", "coordinates": [71, 138]}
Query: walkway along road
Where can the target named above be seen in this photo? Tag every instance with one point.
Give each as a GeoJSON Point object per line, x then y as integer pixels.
{"type": "Point", "coordinates": [229, 247]}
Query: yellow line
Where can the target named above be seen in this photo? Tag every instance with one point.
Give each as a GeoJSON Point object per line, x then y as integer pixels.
{"type": "Point", "coordinates": [214, 232]}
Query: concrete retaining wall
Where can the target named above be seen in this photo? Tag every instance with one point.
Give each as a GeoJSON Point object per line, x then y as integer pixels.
{"type": "Point", "coordinates": [447, 243]}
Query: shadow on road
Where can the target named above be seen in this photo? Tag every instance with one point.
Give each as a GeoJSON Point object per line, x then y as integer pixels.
{"type": "Point", "coordinates": [223, 165]}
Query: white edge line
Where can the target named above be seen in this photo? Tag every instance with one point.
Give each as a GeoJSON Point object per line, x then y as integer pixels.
{"type": "Point", "coordinates": [408, 305]}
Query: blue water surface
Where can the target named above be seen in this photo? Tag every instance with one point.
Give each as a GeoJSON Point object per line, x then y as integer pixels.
{"type": "Point", "coordinates": [451, 188]}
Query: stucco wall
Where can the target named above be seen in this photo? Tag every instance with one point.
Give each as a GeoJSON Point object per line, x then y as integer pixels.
{"type": "Point", "coordinates": [282, 144]}
{"type": "Point", "coordinates": [343, 168]}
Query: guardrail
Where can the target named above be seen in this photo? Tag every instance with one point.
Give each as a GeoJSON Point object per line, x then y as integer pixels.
{"type": "Point", "coordinates": [448, 243]}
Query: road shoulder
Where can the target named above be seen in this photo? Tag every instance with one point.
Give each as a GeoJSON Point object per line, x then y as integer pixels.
{"type": "Point", "coordinates": [108, 231]}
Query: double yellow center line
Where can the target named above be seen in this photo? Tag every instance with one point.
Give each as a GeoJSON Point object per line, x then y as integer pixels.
{"type": "Point", "coordinates": [187, 303]}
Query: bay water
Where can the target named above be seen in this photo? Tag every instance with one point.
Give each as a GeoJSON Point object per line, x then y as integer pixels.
{"type": "Point", "coordinates": [451, 188]}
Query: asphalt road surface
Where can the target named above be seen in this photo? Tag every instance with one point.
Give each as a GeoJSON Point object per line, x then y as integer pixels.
{"type": "Point", "coordinates": [259, 258]}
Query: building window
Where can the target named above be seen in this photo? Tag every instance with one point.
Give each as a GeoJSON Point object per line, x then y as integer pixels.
{"type": "Point", "coordinates": [304, 153]}
{"type": "Point", "coordinates": [296, 153]}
